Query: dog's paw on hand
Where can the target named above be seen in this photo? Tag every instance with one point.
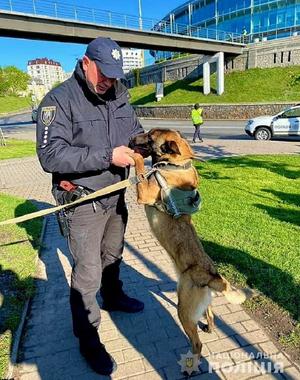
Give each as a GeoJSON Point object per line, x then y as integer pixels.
{"type": "Point", "coordinates": [137, 155]}
{"type": "Point", "coordinates": [142, 152]}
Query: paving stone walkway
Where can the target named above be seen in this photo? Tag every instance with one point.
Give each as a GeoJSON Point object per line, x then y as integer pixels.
{"type": "Point", "coordinates": [147, 345]}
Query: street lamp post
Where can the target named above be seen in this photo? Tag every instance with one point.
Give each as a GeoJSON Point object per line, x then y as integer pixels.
{"type": "Point", "coordinates": [141, 28]}
{"type": "Point", "coordinates": [140, 15]}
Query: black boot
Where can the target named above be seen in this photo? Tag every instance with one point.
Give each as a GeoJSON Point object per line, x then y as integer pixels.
{"type": "Point", "coordinates": [95, 354]}
{"type": "Point", "coordinates": [114, 299]}
{"type": "Point", "coordinates": [122, 303]}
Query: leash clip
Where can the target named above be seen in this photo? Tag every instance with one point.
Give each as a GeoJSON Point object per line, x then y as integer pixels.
{"type": "Point", "coordinates": [137, 179]}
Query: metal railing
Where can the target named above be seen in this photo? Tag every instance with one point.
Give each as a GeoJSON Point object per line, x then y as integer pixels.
{"type": "Point", "coordinates": [54, 9]}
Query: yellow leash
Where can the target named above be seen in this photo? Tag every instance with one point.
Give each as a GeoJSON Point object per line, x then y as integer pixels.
{"type": "Point", "coordinates": [96, 194]}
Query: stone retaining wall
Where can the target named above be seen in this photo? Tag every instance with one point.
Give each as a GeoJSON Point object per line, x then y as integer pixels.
{"type": "Point", "coordinates": [182, 68]}
{"type": "Point", "coordinates": [211, 111]}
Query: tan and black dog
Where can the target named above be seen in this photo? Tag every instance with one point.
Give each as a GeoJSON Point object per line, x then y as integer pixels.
{"type": "Point", "coordinates": [197, 275]}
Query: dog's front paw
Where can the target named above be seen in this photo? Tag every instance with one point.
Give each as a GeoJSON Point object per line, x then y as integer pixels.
{"type": "Point", "coordinates": [137, 155]}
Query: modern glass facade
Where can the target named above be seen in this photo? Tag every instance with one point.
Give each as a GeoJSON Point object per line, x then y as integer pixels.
{"type": "Point", "coordinates": [255, 18]}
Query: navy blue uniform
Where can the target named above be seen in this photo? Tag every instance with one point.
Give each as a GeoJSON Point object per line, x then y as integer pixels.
{"type": "Point", "coordinates": [77, 131]}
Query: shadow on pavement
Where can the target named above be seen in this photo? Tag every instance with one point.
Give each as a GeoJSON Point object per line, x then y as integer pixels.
{"type": "Point", "coordinates": [157, 320]}
{"type": "Point", "coordinates": [209, 151]}
{"type": "Point", "coordinates": [48, 343]}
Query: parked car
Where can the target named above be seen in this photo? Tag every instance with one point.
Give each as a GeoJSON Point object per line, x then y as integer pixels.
{"type": "Point", "coordinates": [285, 123]}
{"type": "Point", "coordinates": [34, 113]}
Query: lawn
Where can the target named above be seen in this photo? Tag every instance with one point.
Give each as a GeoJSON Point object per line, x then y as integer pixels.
{"type": "Point", "coordinates": [18, 252]}
{"type": "Point", "coordinates": [16, 149]}
{"type": "Point", "coordinates": [250, 225]}
{"type": "Point", "coordinates": [254, 85]}
{"type": "Point", "coordinates": [14, 103]}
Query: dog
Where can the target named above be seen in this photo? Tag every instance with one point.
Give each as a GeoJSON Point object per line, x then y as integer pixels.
{"type": "Point", "coordinates": [197, 275]}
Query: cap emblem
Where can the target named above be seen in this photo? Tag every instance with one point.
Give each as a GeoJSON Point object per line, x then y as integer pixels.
{"type": "Point", "coordinates": [116, 54]}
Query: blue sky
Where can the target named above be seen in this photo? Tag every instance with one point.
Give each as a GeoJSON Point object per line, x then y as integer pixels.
{"type": "Point", "coordinates": [18, 51]}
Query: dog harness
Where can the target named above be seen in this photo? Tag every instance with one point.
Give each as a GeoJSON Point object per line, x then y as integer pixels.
{"type": "Point", "coordinates": [174, 201]}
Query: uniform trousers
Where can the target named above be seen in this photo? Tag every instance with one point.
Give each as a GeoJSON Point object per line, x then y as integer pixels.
{"type": "Point", "coordinates": [96, 242]}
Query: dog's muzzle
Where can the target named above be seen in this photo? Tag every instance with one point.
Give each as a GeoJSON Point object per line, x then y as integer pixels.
{"type": "Point", "coordinates": [141, 144]}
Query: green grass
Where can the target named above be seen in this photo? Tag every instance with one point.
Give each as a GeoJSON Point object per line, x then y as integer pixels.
{"type": "Point", "coordinates": [13, 103]}
{"type": "Point", "coordinates": [254, 85]}
{"type": "Point", "coordinates": [18, 252]}
{"type": "Point", "coordinates": [17, 149]}
{"type": "Point", "coordinates": [250, 225]}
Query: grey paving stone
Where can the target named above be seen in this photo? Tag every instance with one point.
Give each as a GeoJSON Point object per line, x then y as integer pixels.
{"type": "Point", "coordinates": [146, 345]}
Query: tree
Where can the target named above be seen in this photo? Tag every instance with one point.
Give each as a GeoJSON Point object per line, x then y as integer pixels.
{"type": "Point", "coordinates": [12, 81]}
{"type": "Point", "coordinates": [57, 83]}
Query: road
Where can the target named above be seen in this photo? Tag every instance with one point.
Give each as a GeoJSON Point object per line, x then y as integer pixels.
{"type": "Point", "coordinates": [221, 137]}
{"type": "Point", "coordinates": [20, 126]}
{"type": "Point", "coordinates": [211, 129]}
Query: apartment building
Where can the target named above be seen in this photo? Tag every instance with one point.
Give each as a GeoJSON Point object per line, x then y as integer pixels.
{"type": "Point", "coordinates": [132, 59]}
{"type": "Point", "coordinates": [46, 70]}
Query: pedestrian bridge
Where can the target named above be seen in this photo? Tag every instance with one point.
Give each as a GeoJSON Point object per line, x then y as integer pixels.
{"type": "Point", "coordinates": [51, 21]}
{"type": "Point", "coordinates": [45, 20]}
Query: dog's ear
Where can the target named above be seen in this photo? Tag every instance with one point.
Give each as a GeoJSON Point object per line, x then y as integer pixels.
{"type": "Point", "coordinates": [170, 147]}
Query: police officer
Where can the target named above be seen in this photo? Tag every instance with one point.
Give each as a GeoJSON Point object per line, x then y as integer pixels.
{"type": "Point", "coordinates": [83, 130]}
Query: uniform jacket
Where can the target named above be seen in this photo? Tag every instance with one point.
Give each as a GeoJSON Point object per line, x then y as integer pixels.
{"type": "Point", "coordinates": [78, 129]}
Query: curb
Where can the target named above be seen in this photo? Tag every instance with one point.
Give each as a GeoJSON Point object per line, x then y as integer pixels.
{"type": "Point", "coordinates": [18, 333]}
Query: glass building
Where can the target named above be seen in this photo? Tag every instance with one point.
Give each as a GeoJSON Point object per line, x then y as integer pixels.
{"type": "Point", "coordinates": [257, 19]}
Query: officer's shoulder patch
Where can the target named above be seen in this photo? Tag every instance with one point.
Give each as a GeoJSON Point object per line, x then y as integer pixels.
{"type": "Point", "coordinates": [48, 115]}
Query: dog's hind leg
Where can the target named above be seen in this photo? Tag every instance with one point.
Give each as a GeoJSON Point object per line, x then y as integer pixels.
{"type": "Point", "coordinates": [192, 303]}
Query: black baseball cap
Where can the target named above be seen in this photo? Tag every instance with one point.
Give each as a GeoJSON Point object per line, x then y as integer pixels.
{"type": "Point", "coordinates": [107, 55]}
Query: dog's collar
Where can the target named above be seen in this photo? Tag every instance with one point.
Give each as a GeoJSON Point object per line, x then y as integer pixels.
{"type": "Point", "coordinates": [165, 165]}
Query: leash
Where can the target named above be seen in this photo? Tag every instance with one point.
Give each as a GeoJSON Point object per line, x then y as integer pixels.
{"type": "Point", "coordinates": [106, 190]}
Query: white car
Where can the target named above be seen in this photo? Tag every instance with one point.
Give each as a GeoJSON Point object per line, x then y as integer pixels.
{"type": "Point", "coordinates": [285, 123]}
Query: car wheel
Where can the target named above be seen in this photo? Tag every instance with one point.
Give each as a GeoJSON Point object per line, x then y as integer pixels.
{"type": "Point", "coordinates": [262, 133]}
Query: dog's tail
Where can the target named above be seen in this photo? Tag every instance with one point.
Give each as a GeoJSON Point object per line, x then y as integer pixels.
{"type": "Point", "coordinates": [234, 296]}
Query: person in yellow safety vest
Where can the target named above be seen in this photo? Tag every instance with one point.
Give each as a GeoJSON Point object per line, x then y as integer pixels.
{"type": "Point", "coordinates": [197, 121]}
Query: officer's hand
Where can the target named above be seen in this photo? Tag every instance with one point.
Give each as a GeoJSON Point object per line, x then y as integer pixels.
{"type": "Point", "coordinates": [121, 156]}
